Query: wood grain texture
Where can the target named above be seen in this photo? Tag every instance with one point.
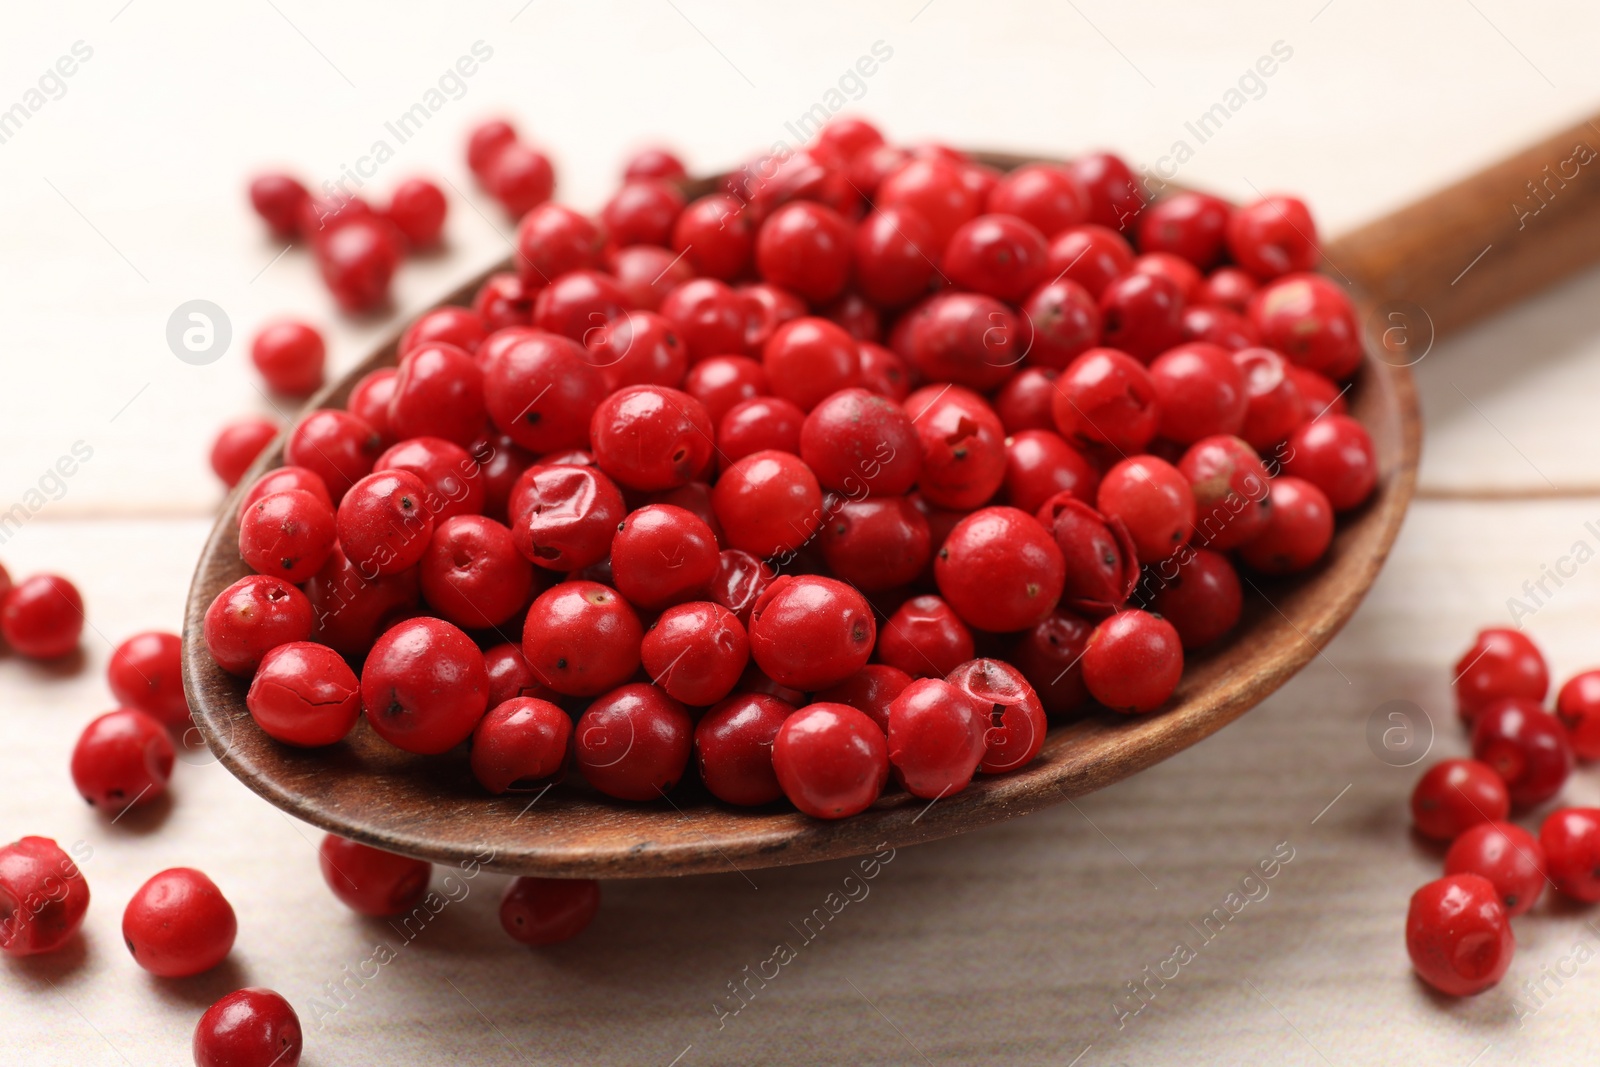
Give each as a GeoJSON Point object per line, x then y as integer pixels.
{"type": "Point", "coordinates": [1485, 242]}
{"type": "Point", "coordinates": [431, 807]}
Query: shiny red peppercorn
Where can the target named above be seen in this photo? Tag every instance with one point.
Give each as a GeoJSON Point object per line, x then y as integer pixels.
{"type": "Point", "coordinates": [1025, 402]}
{"type": "Point", "coordinates": [249, 1027]}
{"type": "Point", "coordinates": [521, 744]}
{"type": "Point", "coordinates": [1107, 396]}
{"type": "Point", "coordinates": [473, 575]}
{"type": "Point", "coordinates": [238, 444]}
{"type": "Point", "coordinates": [963, 447]}
{"type": "Point", "coordinates": [1050, 657]}
{"type": "Point", "coordinates": [894, 256]}
{"type": "Point", "coordinates": [1191, 225]}
{"type": "Point", "coordinates": [1115, 198]}
{"type": "Point", "coordinates": [1232, 495]}
{"type": "Point", "coordinates": [1002, 256]}
{"type": "Point", "coordinates": [179, 924]}
{"type": "Point", "coordinates": [455, 481]}
{"type": "Point", "coordinates": [384, 523]}
{"type": "Point", "coordinates": [279, 200]}
{"type": "Point", "coordinates": [352, 609]}
{"type": "Point", "coordinates": [1455, 795]}
{"type": "Point", "coordinates": [564, 516]}
{"type": "Point", "coordinates": [1335, 454]}
{"type": "Point", "coordinates": [935, 738]}
{"type": "Point", "coordinates": [1298, 531]}
{"type": "Point", "coordinates": [417, 208]}
{"type": "Point", "coordinates": [547, 911]}
{"type": "Point", "coordinates": [760, 424]}
{"type": "Point", "coordinates": [871, 690]}
{"type": "Point", "coordinates": [1047, 196]}
{"type": "Point", "coordinates": [1201, 598]}
{"type": "Point", "coordinates": [651, 437]}
{"type": "Point", "coordinates": [663, 555]}
{"type": "Point", "coordinates": [638, 348]}
{"type": "Point", "coordinates": [740, 580]}
{"type": "Point", "coordinates": [633, 743]}
{"type": "Point", "coordinates": [696, 652]}
{"type": "Point", "coordinates": [1060, 321]}
{"type": "Point", "coordinates": [1274, 236]}
{"type": "Point", "coordinates": [146, 672]}
{"type": "Point", "coordinates": [925, 638]}
{"type": "Point", "coordinates": [810, 632]}
{"type": "Point", "coordinates": [1101, 560]}
{"type": "Point", "coordinates": [809, 359]}
{"type": "Point", "coordinates": [304, 694]}
{"type": "Point", "coordinates": [1000, 570]}
{"type": "Point", "coordinates": [647, 274]}
{"type": "Point", "coordinates": [722, 382]}
{"type": "Point", "coordinates": [439, 393]}
{"type": "Point", "coordinates": [371, 881]}
{"type": "Point", "coordinates": [1153, 500]}
{"type": "Point", "coordinates": [806, 248]}
{"type": "Point", "coordinates": [579, 304]}
{"type": "Point", "coordinates": [1508, 856]}
{"type": "Point", "coordinates": [876, 544]}
{"type": "Point", "coordinates": [1309, 319]}
{"type": "Point", "coordinates": [1092, 256]}
{"type": "Point", "coordinates": [861, 444]}
{"type": "Point", "coordinates": [1501, 663]}
{"type": "Point", "coordinates": [553, 239]}
{"type": "Point", "coordinates": [653, 163]}
{"type": "Point", "coordinates": [1526, 746]}
{"type": "Point", "coordinates": [43, 897]}
{"type": "Point", "coordinates": [934, 189]}
{"type": "Point", "coordinates": [1141, 314]}
{"type": "Point", "coordinates": [1458, 935]}
{"type": "Point", "coordinates": [642, 211]}
{"type": "Point", "coordinates": [41, 617]}
{"type": "Point", "coordinates": [1040, 464]}
{"type": "Point", "coordinates": [768, 503]}
{"type": "Point", "coordinates": [542, 391]}
{"type": "Point", "coordinates": [424, 686]}
{"type": "Point", "coordinates": [1133, 661]}
{"type": "Point", "coordinates": [1578, 708]}
{"type": "Point", "coordinates": [287, 535]}
{"type": "Point", "coordinates": [715, 236]}
{"type": "Point", "coordinates": [1570, 839]}
{"type": "Point", "coordinates": [280, 479]}
{"type": "Point", "coordinates": [337, 446]}
{"type": "Point", "coordinates": [358, 259]}
{"type": "Point", "coordinates": [581, 638]}
{"type": "Point", "coordinates": [970, 339]}
{"type": "Point", "coordinates": [520, 177]}
{"type": "Point", "coordinates": [1274, 406]}
{"type": "Point", "coordinates": [1200, 392]}
{"type": "Point", "coordinates": [289, 356]}
{"type": "Point", "coordinates": [733, 748]}
{"type": "Point", "coordinates": [831, 760]}
{"type": "Point", "coordinates": [1014, 719]}
{"type": "Point", "coordinates": [122, 759]}
{"type": "Point", "coordinates": [253, 616]}
{"type": "Point", "coordinates": [460, 327]}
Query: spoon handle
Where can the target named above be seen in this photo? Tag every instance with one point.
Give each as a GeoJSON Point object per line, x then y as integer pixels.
{"type": "Point", "coordinates": [1484, 242]}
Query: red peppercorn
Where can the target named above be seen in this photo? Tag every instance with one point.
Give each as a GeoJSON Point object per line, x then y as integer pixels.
{"type": "Point", "coordinates": [353, 608]}
{"type": "Point", "coordinates": [1115, 199]}
{"type": "Point", "coordinates": [281, 479]}
{"type": "Point", "coordinates": [1025, 402]}
{"type": "Point", "coordinates": [633, 743]}
{"type": "Point", "coordinates": [1047, 196]}
{"type": "Point", "coordinates": [41, 617]}
{"type": "Point", "coordinates": [1458, 935]}
{"type": "Point", "coordinates": [384, 523]}
{"type": "Point", "coordinates": [521, 743]}
{"type": "Point", "coordinates": [925, 638]}
{"type": "Point", "coordinates": [647, 274]}
{"type": "Point", "coordinates": [358, 258]}
{"type": "Point", "coordinates": [510, 676]}
{"type": "Point", "coordinates": [146, 672]}
{"type": "Point", "coordinates": [1309, 319]}
{"type": "Point", "coordinates": [768, 503]}
{"type": "Point", "coordinates": [439, 393]}
{"type": "Point", "coordinates": [1153, 500]}
{"type": "Point", "coordinates": [337, 446]}
{"type": "Point", "coordinates": [1455, 795]}
{"type": "Point", "coordinates": [1175, 269]}
{"type": "Point", "coordinates": [1000, 570]}
{"type": "Point", "coordinates": [638, 348]}
{"type": "Point", "coordinates": [740, 580]}
{"type": "Point", "coordinates": [1002, 256]}
{"type": "Point", "coordinates": [884, 373]}
{"type": "Point", "coordinates": [715, 236]}
{"type": "Point", "coordinates": [1133, 661]}
{"type": "Point", "coordinates": [810, 632]}
{"type": "Point", "coordinates": [1014, 722]}
{"type": "Point", "coordinates": [43, 897]}
{"type": "Point", "coordinates": [279, 200]}
{"type": "Point", "coordinates": [1319, 394]}
{"type": "Point", "coordinates": [763, 423]}
{"type": "Point", "coordinates": [1141, 314]}
{"type": "Point", "coordinates": [179, 924]}
{"type": "Point", "coordinates": [452, 478]}
{"type": "Point", "coordinates": [1578, 708]}
{"type": "Point", "coordinates": [418, 208]}
{"type": "Point", "coordinates": [963, 447]}
{"type": "Point", "coordinates": [1219, 326]}
{"type": "Point", "coordinates": [712, 318]}
{"type": "Point", "coordinates": [1061, 321]}
{"type": "Point", "coordinates": [1335, 454]}
{"type": "Point", "coordinates": [553, 239]}
{"type": "Point", "coordinates": [579, 304]}
{"type": "Point", "coordinates": [696, 652]}
{"type": "Point", "coordinates": [287, 535]}
{"type": "Point", "coordinates": [249, 1027]}
{"type": "Point", "coordinates": [871, 690]}
{"type": "Point", "coordinates": [651, 437]}
{"type": "Point", "coordinates": [565, 516]}
{"type": "Point", "coordinates": [289, 356]}
{"type": "Point", "coordinates": [1200, 392]}
{"type": "Point", "coordinates": [1050, 657]}
{"type": "Point", "coordinates": [371, 881]}
{"type": "Point", "coordinates": [304, 694]}
{"type": "Point", "coordinates": [1508, 856]}
{"type": "Point", "coordinates": [1500, 664]}
{"type": "Point", "coordinates": [1231, 491]}
{"type": "Point", "coordinates": [663, 555]}
{"type": "Point", "coordinates": [460, 327]}
{"type": "Point", "coordinates": [1201, 598]}
{"type": "Point", "coordinates": [722, 382]}
{"type": "Point", "coordinates": [1570, 839]}
{"type": "Point", "coordinates": [503, 301]}
{"type": "Point", "coordinates": [966, 338]}
{"type": "Point", "coordinates": [484, 142]}
{"type": "Point", "coordinates": [1274, 236]}
{"type": "Point", "coordinates": [733, 748]}
{"type": "Point", "coordinates": [771, 306]}
{"type": "Point", "coordinates": [1092, 256]}
{"type": "Point", "coordinates": [935, 189]}
{"type": "Point", "coordinates": [894, 255]}
{"type": "Point", "coordinates": [810, 359]}
{"type": "Point", "coordinates": [935, 738]}
{"type": "Point", "coordinates": [473, 575]}
{"type": "Point", "coordinates": [805, 247]}
{"type": "Point", "coordinates": [238, 444]}
{"type": "Point", "coordinates": [542, 391]}
{"type": "Point", "coordinates": [1526, 746]}
{"type": "Point", "coordinates": [496, 461]}
{"type": "Point", "coordinates": [653, 163]}
{"type": "Point", "coordinates": [581, 638]}
{"type": "Point", "coordinates": [876, 544]}
{"type": "Point", "coordinates": [861, 444]}
{"type": "Point", "coordinates": [642, 211]}
{"type": "Point", "coordinates": [1040, 465]}
{"type": "Point", "coordinates": [1107, 396]}
{"type": "Point", "coordinates": [250, 618]}
{"type": "Point", "coordinates": [1191, 225]}
{"type": "Point", "coordinates": [831, 760]}
{"type": "Point", "coordinates": [1101, 560]}
{"type": "Point", "coordinates": [123, 758]}
{"type": "Point", "coordinates": [520, 177]}
{"type": "Point", "coordinates": [1298, 531]}
{"type": "Point", "coordinates": [424, 686]}
{"type": "Point", "coordinates": [1274, 406]}
{"type": "Point", "coordinates": [547, 911]}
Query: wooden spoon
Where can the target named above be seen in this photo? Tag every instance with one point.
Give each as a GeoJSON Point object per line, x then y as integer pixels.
{"type": "Point", "coordinates": [432, 808]}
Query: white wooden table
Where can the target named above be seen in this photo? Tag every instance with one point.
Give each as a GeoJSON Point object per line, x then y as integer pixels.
{"type": "Point", "coordinates": [123, 195]}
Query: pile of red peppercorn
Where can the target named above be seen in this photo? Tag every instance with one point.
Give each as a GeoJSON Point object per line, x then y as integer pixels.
{"type": "Point", "coordinates": [357, 246]}
{"type": "Point", "coordinates": [859, 465]}
{"type": "Point", "coordinates": [1458, 931]}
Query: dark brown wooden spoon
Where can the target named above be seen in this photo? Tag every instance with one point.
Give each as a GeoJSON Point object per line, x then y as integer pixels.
{"type": "Point", "coordinates": [432, 808]}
